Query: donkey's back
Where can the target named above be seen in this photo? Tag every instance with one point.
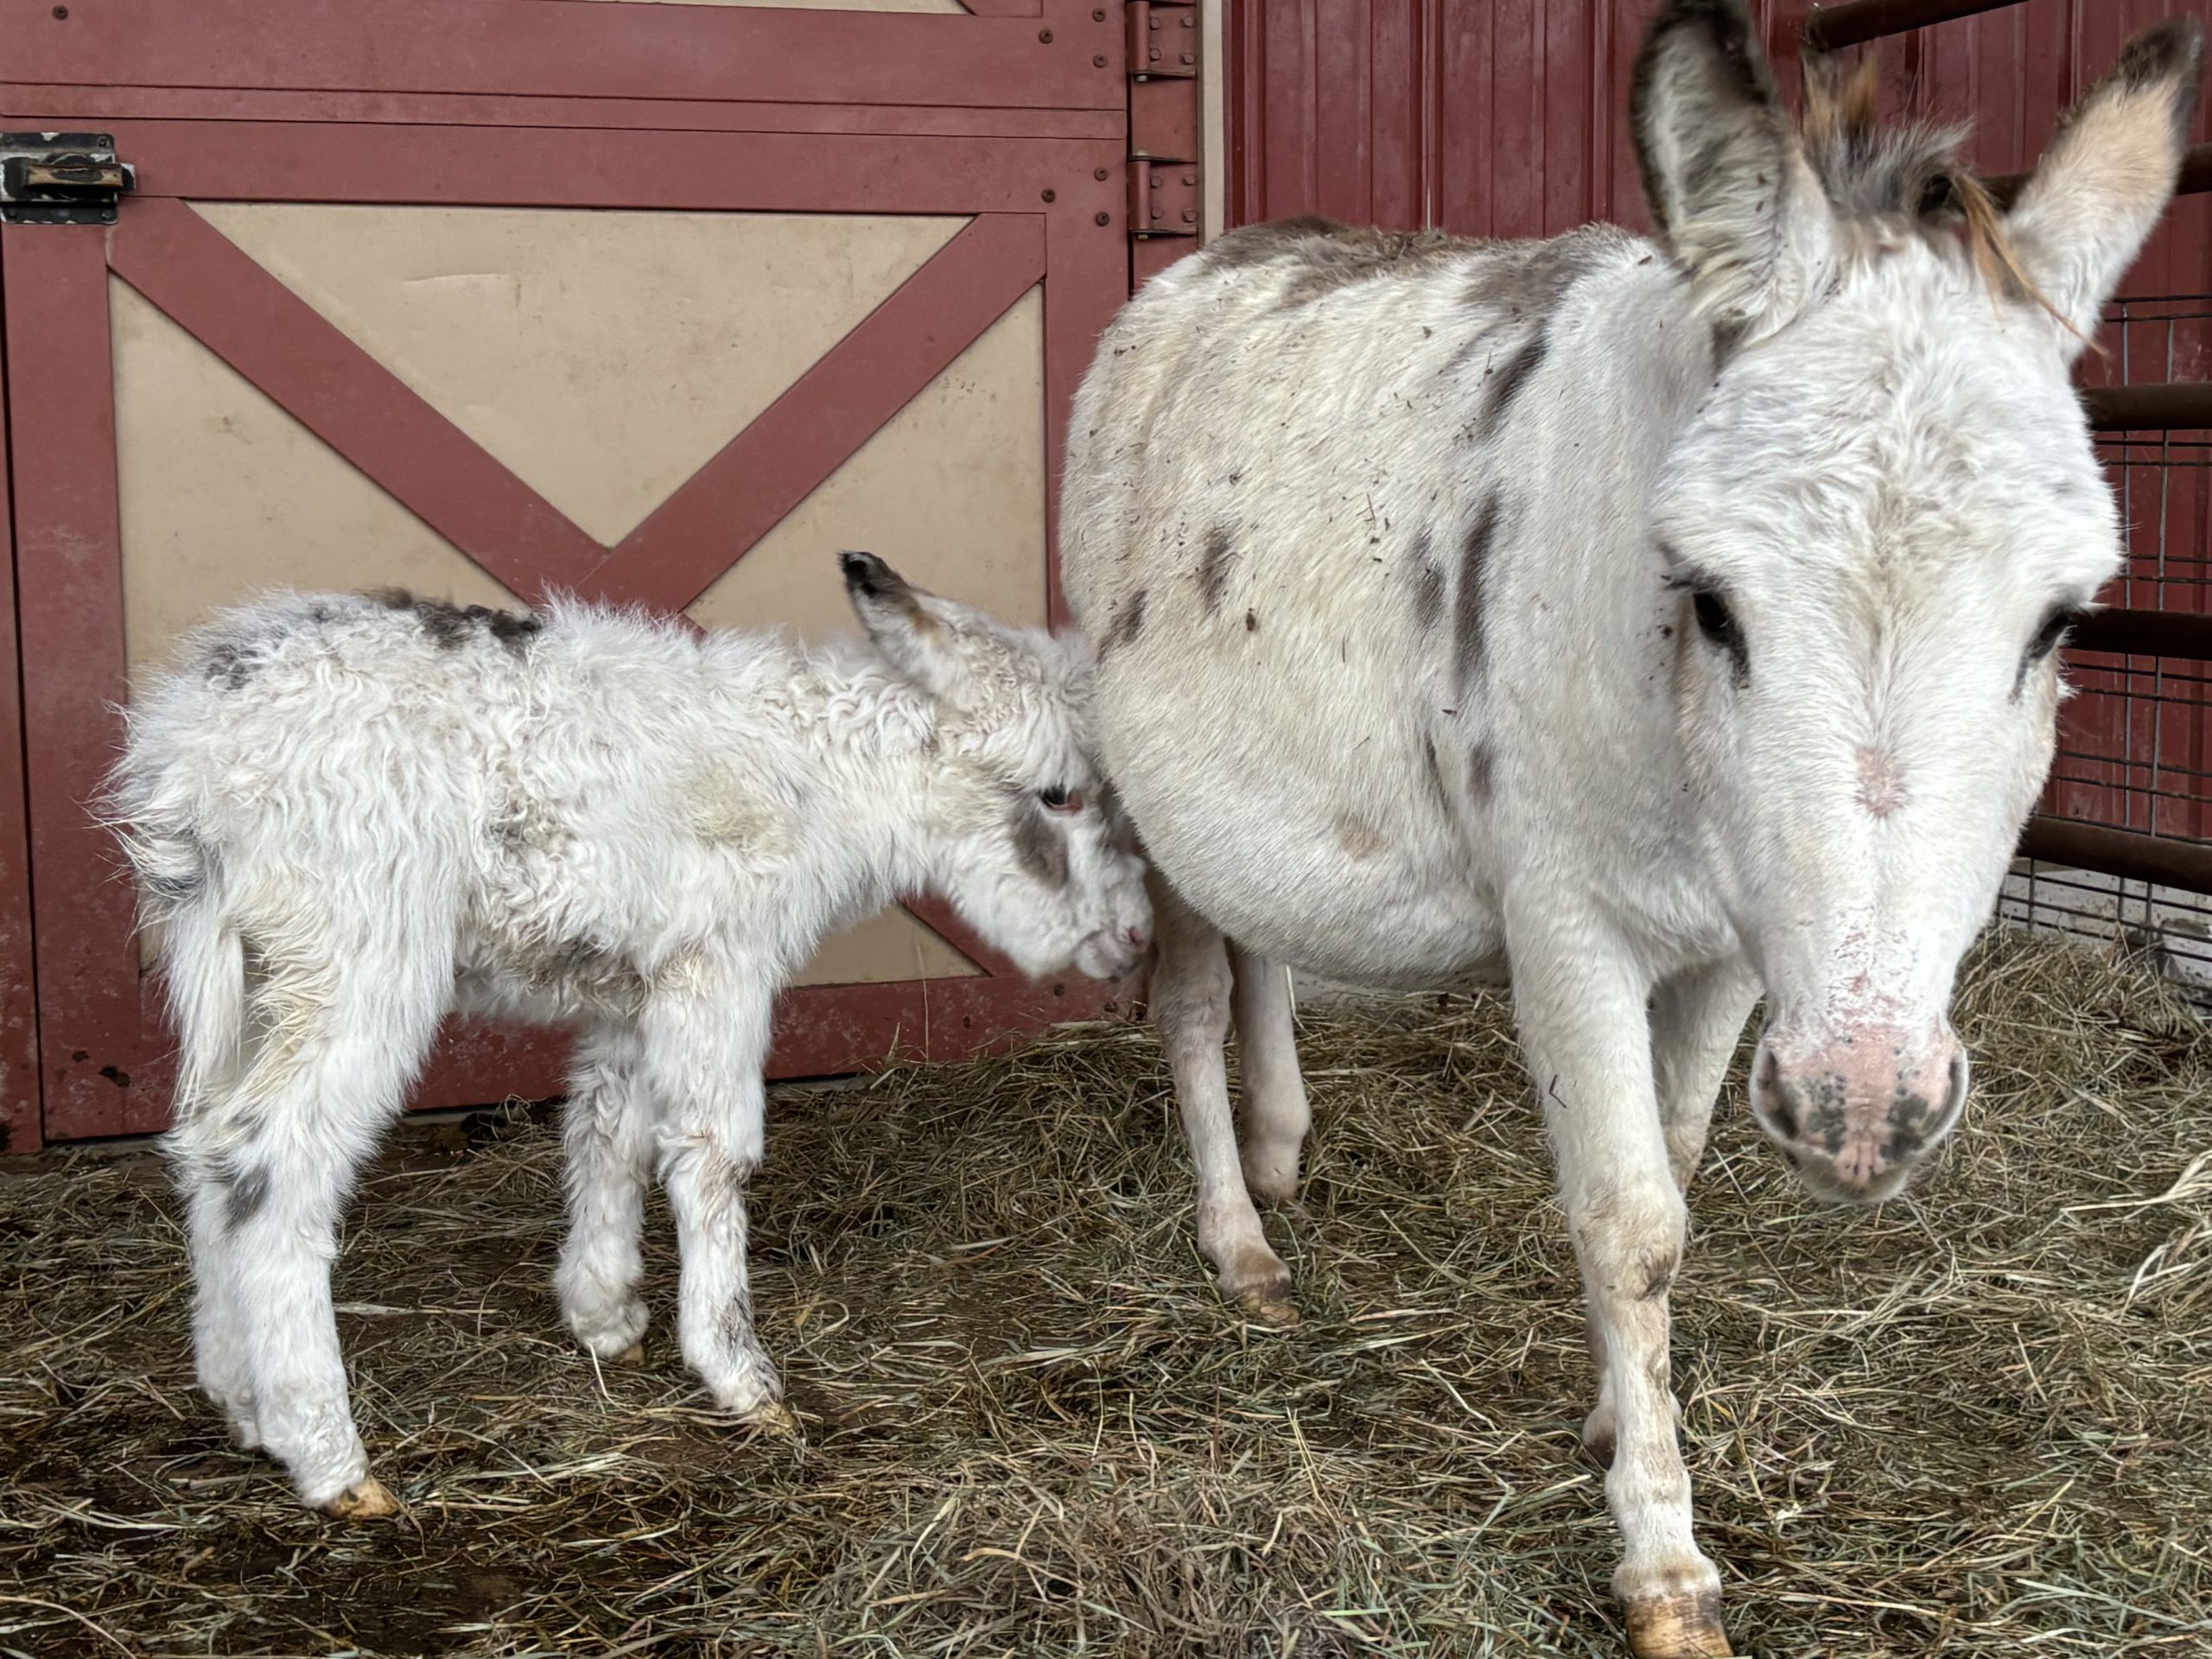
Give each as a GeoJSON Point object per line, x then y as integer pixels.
{"type": "Point", "coordinates": [1270, 531]}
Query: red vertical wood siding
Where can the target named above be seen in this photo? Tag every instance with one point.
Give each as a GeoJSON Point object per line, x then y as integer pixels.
{"type": "Point", "coordinates": [1509, 117]}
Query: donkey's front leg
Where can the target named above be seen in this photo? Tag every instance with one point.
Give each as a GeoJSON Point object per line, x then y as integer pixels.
{"type": "Point", "coordinates": [705, 1043]}
{"type": "Point", "coordinates": [1697, 1018]}
{"type": "Point", "coordinates": [1580, 1003]}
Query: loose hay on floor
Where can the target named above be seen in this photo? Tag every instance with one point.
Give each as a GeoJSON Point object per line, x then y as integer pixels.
{"type": "Point", "coordinates": [1972, 1420]}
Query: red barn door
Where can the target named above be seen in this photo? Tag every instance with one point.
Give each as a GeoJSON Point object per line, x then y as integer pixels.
{"type": "Point", "coordinates": [661, 302]}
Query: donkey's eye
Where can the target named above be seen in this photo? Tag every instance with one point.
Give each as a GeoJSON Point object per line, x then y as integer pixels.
{"type": "Point", "coordinates": [2052, 630]}
{"type": "Point", "coordinates": [1715, 619]}
{"type": "Point", "coordinates": [1061, 800]}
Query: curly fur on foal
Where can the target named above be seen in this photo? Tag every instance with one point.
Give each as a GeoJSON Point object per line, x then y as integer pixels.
{"type": "Point", "coordinates": [349, 815]}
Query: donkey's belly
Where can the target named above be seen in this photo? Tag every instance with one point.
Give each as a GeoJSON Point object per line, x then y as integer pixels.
{"type": "Point", "coordinates": [1331, 856]}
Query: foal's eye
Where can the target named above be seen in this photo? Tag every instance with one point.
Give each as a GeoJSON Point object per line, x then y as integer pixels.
{"type": "Point", "coordinates": [1060, 800]}
{"type": "Point", "coordinates": [1714, 620]}
{"type": "Point", "coordinates": [2052, 630]}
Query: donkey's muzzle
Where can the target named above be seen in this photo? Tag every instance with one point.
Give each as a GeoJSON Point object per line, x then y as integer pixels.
{"type": "Point", "coordinates": [1854, 1114]}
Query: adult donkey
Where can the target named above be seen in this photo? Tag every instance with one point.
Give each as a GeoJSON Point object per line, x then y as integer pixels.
{"type": "Point", "coordinates": [1653, 620]}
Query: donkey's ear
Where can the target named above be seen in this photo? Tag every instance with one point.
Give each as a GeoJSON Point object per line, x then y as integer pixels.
{"type": "Point", "coordinates": [2087, 208]}
{"type": "Point", "coordinates": [1731, 192]}
{"type": "Point", "coordinates": [948, 649]}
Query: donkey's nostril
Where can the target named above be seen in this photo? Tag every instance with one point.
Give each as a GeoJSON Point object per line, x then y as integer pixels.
{"type": "Point", "coordinates": [1137, 938]}
{"type": "Point", "coordinates": [1772, 1096]}
{"type": "Point", "coordinates": [1955, 1102]}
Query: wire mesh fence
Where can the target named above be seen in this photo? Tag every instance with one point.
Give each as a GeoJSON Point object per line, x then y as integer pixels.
{"type": "Point", "coordinates": [2135, 741]}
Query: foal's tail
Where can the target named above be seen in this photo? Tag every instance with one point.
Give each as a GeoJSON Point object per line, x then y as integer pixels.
{"type": "Point", "coordinates": [203, 954]}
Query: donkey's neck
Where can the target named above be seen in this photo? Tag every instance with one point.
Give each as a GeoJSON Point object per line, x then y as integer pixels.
{"type": "Point", "coordinates": [1587, 631]}
{"type": "Point", "coordinates": [873, 756]}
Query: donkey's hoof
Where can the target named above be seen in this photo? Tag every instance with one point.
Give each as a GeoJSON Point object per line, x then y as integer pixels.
{"type": "Point", "coordinates": [1252, 1276]}
{"type": "Point", "coordinates": [1678, 1627]}
{"type": "Point", "coordinates": [1278, 1312]}
{"type": "Point", "coordinates": [366, 1499]}
{"type": "Point", "coordinates": [1599, 1433]}
{"type": "Point", "coordinates": [772, 1417]}
{"type": "Point", "coordinates": [633, 1355]}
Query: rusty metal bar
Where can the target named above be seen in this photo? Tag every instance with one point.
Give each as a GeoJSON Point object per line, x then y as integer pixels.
{"type": "Point", "coordinates": [2195, 171]}
{"type": "Point", "coordinates": [1827, 28]}
{"type": "Point", "coordinates": [2123, 853]}
{"type": "Point", "coordinates": [2165, 405]}
{"type": "Point", "coordinates": [2145, 633]}
{"type": "Point", "coordinates": [2195, 177]}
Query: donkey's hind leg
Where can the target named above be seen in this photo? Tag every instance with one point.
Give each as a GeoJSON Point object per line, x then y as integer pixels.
{"type": "Point", "coordinates": [218, 1338]}
{"type": "Point", "coordinates": [1273, 1109]}
{"type": "Point", "coordinates": [608, 1127]}
{"type": "Point", "coordinates": [345, 1023]}
{"type": "Point", "coordinates": [1190, 1005]}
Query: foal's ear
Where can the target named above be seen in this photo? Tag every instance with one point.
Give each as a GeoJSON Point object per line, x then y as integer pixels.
{"type": "Point", "coordinates": [948, 649]}
{"type": "Point", "coordinates": [1731, 192]}
{"type": "Point", "coordinates": [2087, 208]}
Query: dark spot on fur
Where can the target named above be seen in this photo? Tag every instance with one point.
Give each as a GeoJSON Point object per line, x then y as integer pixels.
{"type": "Point", "coordinates": [228, 666]}
{"type": "Point", "coordinates": [1040, 846]}
{"type": "Point", "coordinates": [452, 625]}
{"type": "Point", "coordinates": [1478, 775]}
{"type": "Point", "coordinates": [1433, 769]}
{"type": "Point", "coordinates": [1251, 621]}
{"type": "Point", "coordinates": [1359, 838]}
{"type": "Point", "coordinates": [248, 1193]}
{"type": "Point", "coordinates": [1656, 1273]}
{"type": "Point", "coordinates": [1468, 647]}
{"type": "Point", "coordinates": [1428, 583]}
{"type": "Point", "coordinates": [1519, 285]}
{"type": "Point", "coordinates": [1727, 334]}
{"type": "Point", "coordinates": [514, 632]}
{"type": "Point", "coordinates": [1507, 382]}
{"type": "Point", "coordinates": [1127, 623]}
{"type": "Point", "coordinates": [1214, 567]}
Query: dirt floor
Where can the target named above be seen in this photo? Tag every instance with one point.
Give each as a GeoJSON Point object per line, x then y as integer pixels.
{"type": "Point", "coordinates": [1973, 1422]}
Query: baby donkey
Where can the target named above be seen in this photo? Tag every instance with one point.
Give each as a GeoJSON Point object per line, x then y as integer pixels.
{"type": "Point", "coordinates": [350, 815]}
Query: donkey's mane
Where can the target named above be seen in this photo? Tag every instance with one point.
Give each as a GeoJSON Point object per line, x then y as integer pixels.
{"type": "Point", "coordinates": [1904, 175]}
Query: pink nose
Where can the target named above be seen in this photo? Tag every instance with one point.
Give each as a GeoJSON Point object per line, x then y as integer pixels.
{"type": "Point", "coordinates": [1854, 1112]}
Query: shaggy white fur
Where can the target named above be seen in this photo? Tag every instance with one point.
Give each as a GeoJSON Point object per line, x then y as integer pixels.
{"type": "Point", "coordinates": [350, 815]}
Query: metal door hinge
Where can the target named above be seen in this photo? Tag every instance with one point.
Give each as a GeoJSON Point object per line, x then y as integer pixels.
{"type": "Point", "coordinates": [61, 178]}
{"type": "Point", "coordinates": [1163, 38]}
{"type": "Point", "coordinates": [1163, 198]}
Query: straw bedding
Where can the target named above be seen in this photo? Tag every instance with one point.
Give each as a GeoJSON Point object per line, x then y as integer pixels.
{"type": "Point", "coordinates": [1971, 1421]}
